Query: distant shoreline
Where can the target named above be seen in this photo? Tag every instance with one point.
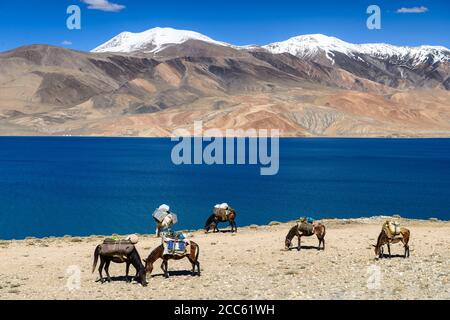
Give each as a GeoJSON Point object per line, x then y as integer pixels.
{"type": "Point", "coordinates": [272, 223]}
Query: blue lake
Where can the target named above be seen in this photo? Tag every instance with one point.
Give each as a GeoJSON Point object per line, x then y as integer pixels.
{"type": "Point", "coordinates": [84, 186]}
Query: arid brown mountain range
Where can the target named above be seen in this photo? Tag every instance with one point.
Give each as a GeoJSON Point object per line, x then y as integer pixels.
{"type": "Point", "coordinates": [314, 86]}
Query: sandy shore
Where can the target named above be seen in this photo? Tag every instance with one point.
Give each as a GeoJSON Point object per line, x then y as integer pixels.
{"type": "Point", "coordinates": [249, 265]}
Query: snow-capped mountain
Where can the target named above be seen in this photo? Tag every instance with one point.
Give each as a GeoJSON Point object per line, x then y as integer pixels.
{"type": "Point", "coordinates": [311, 46]}
{"type": "Point", "coordinates": [152, 41]}
{"type": "Point", "coordinates": [394, 66]}
{"type": "Point", "coordinates": [324, 87]}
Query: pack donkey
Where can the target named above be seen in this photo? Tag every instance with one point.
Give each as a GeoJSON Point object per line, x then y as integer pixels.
{"type": "Point", "coordinates": [119, 253]}
{"type": "Point", "coordinates": [221, 215]}
{"type": "Point", "coordinates": [385, 239]}
{"type": "Point", "coordinates": [306, 230]}
{"type": "Point", "coordinates": [158, 253]}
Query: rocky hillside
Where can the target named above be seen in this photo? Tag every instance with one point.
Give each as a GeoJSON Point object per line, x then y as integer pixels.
{"type": "Point", "coordinates": [152, 83]}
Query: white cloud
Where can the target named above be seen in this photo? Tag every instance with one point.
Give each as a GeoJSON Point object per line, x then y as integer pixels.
{"type": "Point", "coordinates": [103, 5]}
{"type": "Point", "coordinates": [66, 43]}
{"type": "Point", "coordinates": [421, 9]}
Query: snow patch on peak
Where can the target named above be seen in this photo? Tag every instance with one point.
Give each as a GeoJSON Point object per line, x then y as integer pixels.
{"type": "Point", "coordinates": [307, 46]}
{"type": "Point", "coordinates": [152, 40]}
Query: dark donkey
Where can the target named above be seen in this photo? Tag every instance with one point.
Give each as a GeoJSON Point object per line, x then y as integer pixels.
{"type": "Point", "coordinates": [132, 257]}
{"type": "Point", "coordinates": [306, 230]}
{"type": "Point", "coordinates": [158, 253]}
{"type": "Point", "coordinates": [383, 239]}
{"type": "Point", "coordinates": [220, 215]}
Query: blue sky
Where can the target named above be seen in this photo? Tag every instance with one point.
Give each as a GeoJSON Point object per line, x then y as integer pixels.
{"type": "Point", "coordinates": [238, 22]}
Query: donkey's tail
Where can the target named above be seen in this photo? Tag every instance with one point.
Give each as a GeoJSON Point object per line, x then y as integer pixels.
{"type": "Point", "coordinates": [96, 254]}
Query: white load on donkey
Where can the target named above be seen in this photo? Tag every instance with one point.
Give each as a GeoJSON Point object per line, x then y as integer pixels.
{"type": "Point", "coordinates": [222, 210]}
{"type": "Point", "coordinates": [221, 213]}
{"type": "Point", "coordinates": [164, 218]}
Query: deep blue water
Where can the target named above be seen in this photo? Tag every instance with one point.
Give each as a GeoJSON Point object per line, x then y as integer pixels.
{"type": "Point", "coordinates": [84, 186]}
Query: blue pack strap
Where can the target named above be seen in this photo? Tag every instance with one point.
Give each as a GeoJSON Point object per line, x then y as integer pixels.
{"type": "Point", "coordinates": [181, 245]}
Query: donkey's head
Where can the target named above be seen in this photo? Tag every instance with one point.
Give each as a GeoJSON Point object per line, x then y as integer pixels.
{"type": "Point", "coordinates": [135, 260]}
{"type": "Point", "coordinates": [378, 249]}
{"type": "Point", "coordinates": [156, 254]}
{"type": "Point", "coordinates": [142, 277]}
{"type": "Point", "coordinates": [148, 266]}
{"type": "Point", "coordinates": [291, 234]}
{"type": "Point", "coordinates": [287, 243]}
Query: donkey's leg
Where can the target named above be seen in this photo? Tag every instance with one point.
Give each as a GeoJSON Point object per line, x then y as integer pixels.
{"type": "Point", "coordinates": [389, 250]}
{"type": "Point", "coordinates": [406, 246]}
{"type": "Point", "coordinates": [108, 262]}
{"type": "Point", "coordinates": [323, 243]}
{"type": "Point", "coordinates": [192, 261]}
{"type": "Point", "coordinates": [100, 269]}
{"type": "Point", "coordinates": [198, 267]}
{"type": "Point", "coordinates": [195, 263]}
{"type": "Point", "coordinates": [235, 226]}
{"type": "Point", "coordinates": [166, 269]}
{"type": "Point", "coordinates": [127, 271]}
{"type": "Point", "coordinates": [299, 243]}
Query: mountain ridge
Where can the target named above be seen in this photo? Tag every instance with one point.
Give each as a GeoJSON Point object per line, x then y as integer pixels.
{"type": "Point", "coordinates": [47, 90]}
{"type": "Point", "coordinates": [158, 38]}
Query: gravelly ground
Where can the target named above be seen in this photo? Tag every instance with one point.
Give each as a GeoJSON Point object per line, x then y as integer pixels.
{"type": "Point", "coordinates": [249, 265]}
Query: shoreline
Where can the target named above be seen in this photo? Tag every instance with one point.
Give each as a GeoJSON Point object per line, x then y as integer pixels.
{"type": "Point", "coordinates": [224, 226]}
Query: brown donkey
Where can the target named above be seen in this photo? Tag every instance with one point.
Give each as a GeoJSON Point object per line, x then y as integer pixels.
{"type": "Point", "coordinates": [215, 218]}
{"type": "Point", "coordinates": [132, 258]}
{"type": "Point", "coordinates": [158, 253]}
{"type": "Point", "coordinates": [306, 230]}
{"type": "Point", "coordinates": [383, 239]}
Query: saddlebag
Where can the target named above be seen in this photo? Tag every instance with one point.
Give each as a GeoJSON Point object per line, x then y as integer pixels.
{"type": "Point", "coordinates": [174, 246]}
{"type": "Point", "coordinates": [111, 247]}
